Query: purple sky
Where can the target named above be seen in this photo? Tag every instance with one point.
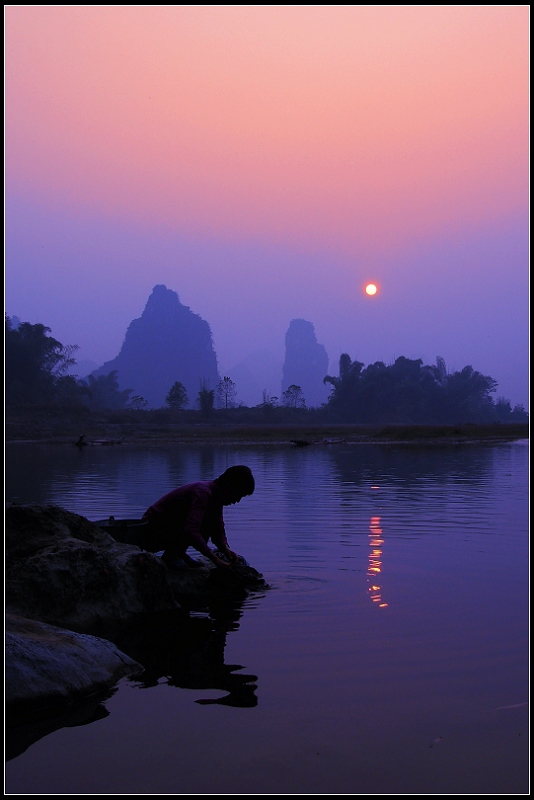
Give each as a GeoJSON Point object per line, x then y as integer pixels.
{"type": "Point", "coordinates": [265, 163]}
{"type": "Point", "coordinates": [463, 297]}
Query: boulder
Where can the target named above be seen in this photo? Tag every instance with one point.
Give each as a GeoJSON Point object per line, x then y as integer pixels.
{"type": "Point", "coordinates": [199, 586]}
{"type": "Point", "coordinates": [64, 570]}
{"type": "Point", "coordinates": [36, 653]}
{"type": "Point", "coordinates": [55, 678]}
{"type": "Point", "coordinates": [68, 584]}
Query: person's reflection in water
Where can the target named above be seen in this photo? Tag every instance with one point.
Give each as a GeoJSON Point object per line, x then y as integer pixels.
{"type": "Point", "coordinates": [189, 652]}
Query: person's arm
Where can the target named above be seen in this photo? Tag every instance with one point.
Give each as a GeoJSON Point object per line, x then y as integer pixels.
{"type": "Point", "coordinates": [193, 529]}
{"type": "Point", "coordinates": [221, 542]}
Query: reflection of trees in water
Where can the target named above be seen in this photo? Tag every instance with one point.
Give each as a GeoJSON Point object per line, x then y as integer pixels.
{"type": "Point", "coordinates": [32, 470]}
{"type": "Point", "coordinates": [188, 651]}
{"type": "Point", "coordinates": [306, 492]}
{"type": "Point", "coordinates": [97, 481]}
{"type": "Point", "coordinates": [81, 478]}
{"type": "Point", "coordinates": [206, 464]}
{"type": "Point", "coordinates": [320, 482]}
{"type": "Point", "coordinates": [109, 477]}
{"type": "Point", "coordinates": [409, 466]}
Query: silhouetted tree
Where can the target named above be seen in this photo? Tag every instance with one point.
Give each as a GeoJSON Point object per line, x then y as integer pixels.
{"type": "Point", "coordinates": [467, 396]}
{"type": "Point", "coordinates": [519, 414]}
{"type": "Point", "coordinates": [103, 392]}
{"type": "Point", "coordinates": [226, 393]}
{"type": "Point", "coordinates": [34, 364]}
{"type": "Point", "coordinates": [409, 392]}
{"type": "Point", "coordinates": [268, 400]}
{"type": "Point", "coordinates": [68, 392]}
{"type": "Point", "coordinates": [177, 397]}
{"type": "Point", "coordinates": [293, 397]}
{"type": "Point", "coordinates": [138, 403]}
{"type": "Point", "coordinates": [439, 371]}
{"type": "Point", "coordinates": [268, 404]}
{"type": "Point", "coordinates": [206, 399]}
{"type": "Point", "coordinates": [342, 402]}
{"type": "Point", "coordinates": [505, 413]}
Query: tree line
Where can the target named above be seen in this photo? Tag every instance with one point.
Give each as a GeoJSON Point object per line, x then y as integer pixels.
{"type": "Point", "coordinates": [37, 370]}
{"type": "Point", "coordinates": [408, 391]}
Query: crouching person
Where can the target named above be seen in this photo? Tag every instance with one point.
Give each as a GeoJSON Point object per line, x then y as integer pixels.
{"type": "Point", "coordinates": [192, 515]}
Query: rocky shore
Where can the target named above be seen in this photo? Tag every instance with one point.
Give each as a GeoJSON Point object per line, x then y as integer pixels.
{"type": "Point", "coordinates": [71, 591]}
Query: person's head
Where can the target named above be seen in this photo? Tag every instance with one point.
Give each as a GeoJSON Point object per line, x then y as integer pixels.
{"type": "Point", "coordinates": [235, 483]}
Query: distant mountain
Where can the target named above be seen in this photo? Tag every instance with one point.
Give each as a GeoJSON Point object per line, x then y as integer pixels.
{"type": "Point", "coordinates": [168, 343]}
{"type": "Point", "coordinates": [83, 368]}
{"type": "Point", "coordinates": [258, 372]}
{"type": "Point", "coordinates": [306, 363]}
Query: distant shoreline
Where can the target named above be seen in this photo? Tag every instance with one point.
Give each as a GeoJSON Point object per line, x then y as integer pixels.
{"type": "Point", "coordinates": [119, 434]}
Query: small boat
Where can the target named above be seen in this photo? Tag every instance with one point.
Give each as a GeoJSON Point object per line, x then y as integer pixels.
{"type": "Point", "coordinates": [300, 442]}
{"type": "Point", "coordinates": [127, 531]}
{"type": "Point", "coordinates": [102, 442]}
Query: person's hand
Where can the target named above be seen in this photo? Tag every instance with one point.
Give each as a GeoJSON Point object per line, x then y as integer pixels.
{"type": "Point", "coordinates": [220, 563]}
{"type": "Point", "coordinates": [234, 558]}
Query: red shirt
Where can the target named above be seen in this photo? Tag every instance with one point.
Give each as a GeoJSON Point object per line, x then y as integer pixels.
{"type": "Point", "coordinates": [194, 514]}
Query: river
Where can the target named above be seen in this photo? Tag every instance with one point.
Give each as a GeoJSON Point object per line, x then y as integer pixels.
{"type": "Point", "coordinates": [391, 654]}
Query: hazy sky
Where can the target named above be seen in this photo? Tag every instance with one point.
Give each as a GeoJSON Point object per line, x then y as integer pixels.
{"type": "Point", "coordinates": [265, 162]}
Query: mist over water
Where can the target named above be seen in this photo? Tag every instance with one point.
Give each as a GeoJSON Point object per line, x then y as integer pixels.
{"type": "Point", "coordinates": [390, 654]}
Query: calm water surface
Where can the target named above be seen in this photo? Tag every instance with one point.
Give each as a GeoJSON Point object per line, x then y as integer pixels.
{"type": "Point", "coordinates": [390, 656]}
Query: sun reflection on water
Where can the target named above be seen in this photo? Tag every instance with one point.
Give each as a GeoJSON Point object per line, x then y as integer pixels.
{"type": "Point", "coordinates": [375, 563]}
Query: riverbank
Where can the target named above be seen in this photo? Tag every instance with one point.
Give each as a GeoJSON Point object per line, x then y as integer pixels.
{"type": "Point", "coordinates": [144, 428]}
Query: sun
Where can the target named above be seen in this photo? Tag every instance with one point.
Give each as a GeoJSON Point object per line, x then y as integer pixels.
{"type": "Point", "coordinates": [371, 289]}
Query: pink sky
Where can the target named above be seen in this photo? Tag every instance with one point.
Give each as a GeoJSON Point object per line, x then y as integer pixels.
{"type": "Point", "coordinates": [280, 155]}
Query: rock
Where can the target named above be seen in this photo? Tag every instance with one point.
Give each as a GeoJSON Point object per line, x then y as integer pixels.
{"type": "Point", "coordinates": [68, 583]}
{"type": "Point", "coordinates": [37, 653]}
{"type": "Point", "coordinates": [196, 587]}
{"type": "Point", "coordinates": [55, 678]}
{"type": "Point", "coordinates": [63, 570]}
{"type": "Point", "coordinates": [191, 585]}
